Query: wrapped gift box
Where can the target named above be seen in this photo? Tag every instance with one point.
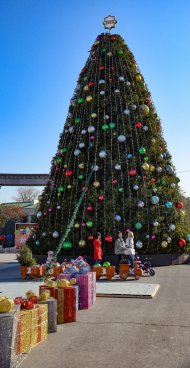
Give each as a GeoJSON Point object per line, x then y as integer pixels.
{"type": "Point", "coordinates": [66, 305]}
{"type": "Point", "coordinates": [52, 314]}
{"type": "Point", "coordinates": [32, 327]}
{"type": "Point", "coordinates": [87, 284]}
{"type": "Point", "coordinates": [77, 296]}
{"type": "Point", "coordinates": [53, 291]}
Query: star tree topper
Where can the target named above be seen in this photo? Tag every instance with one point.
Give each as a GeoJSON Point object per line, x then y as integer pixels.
{"type": "Point", "coordinates": [109, 22]}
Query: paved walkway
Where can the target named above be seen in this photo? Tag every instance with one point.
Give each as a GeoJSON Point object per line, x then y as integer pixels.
{"type": "Point", "coordinates": [121, 333]}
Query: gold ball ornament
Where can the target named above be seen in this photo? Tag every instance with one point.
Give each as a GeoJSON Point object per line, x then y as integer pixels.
{"type": "Point", "coordinates": [145, 166]}
{"type": "Point", "coordinates": [164, 244]}
{"type": "Point", "coordinates": [151, 168]}
{"type": "Point", "coordinates": [76, 225]}
{"type": "Point", "coordinates": [138, 77]}
{"type": "Point", "coordinates": [69, 186]}
{"type": "Point", "coordinates": [96, 184]}
{"type": "Point", "coordinates": [88, 98]}
{"type": "Point", "coordinates": [109, 53]}
{"type": "Point", "coordinates": [65, 166]}
{"type": "Point", "coordinates": [144, 110]}
{"type": "Point", "coordinates": [96, 43]}
{"type": "Point", "coordinates": [81, 165]}
{"type": "Point", "coordinates": [85, 88]}
{"type": "Point", "coordinates": [82, 243]}
{"type": "Point", "coordinates": [153, 140]}
{"type": "Point", "coordinates": [93, 115]}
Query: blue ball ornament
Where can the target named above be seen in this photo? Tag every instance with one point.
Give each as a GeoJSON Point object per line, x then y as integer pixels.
{"type": "Point", "coordinates": [188, 237]}
{"type": "Point", "coordinates": [118, 218]}
{"type": "Point", "coordinates": [37, 242]}
{"type": "Point", "coordinates": [155, 200]}
{"type": "Point", "coordinates": [168, 204]}
{"type": "Point", "coordinates": [135, 187]}
{"type": "Point", "coordinates": [147, 236]}
{"type": "Point", "coordinates": [129, 155]}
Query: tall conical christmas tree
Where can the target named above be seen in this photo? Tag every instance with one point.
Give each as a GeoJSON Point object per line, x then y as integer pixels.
{"type": "Point", "coordinates": [112, 132]}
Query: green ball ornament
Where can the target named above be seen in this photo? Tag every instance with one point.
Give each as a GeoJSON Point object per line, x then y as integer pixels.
{"type": "Point", "coordinates": [64, 149]}
{"type": "Point", "coordinates": [60, 189]}
{"type": "Point", "coordinates": [67, 245]}
{"type": "Point", "coordinates": [112, 125]}
{"type": "Point", "coordinates": [142, 150]}
{"type": "Point", "coordinates": [77, 120]}
{"type": "Point", "coordinates": [85, 78]}
{"type": "Point", "coordinates": [106, 264]}
{"type": "Point", "coordinates": [89, 223]}
{"type": "Point", "coordinates": [80, 100]}
{"type": "Point", "coordinates": [146, 158]}
{"type": "Point", "coordinates": [97, 265]}
{"type": "Point", "coordinates": [120, 52]}
{"type": "Point", "coordinates": [120, 190]}
{"type": "Point", "coordinates": [138, 226]}
{"type": "Point", "coordinates": [105, 127]}
{"type": "Point", "coordinates": [103, 50]}
{"type": "Point", "coordinates": [80, 177]}
{"type": "Point", "coordinates": [163, 182]}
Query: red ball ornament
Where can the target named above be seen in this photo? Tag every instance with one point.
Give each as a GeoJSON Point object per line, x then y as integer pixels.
{"type": "Point", "coordinates": [182, 242]}
{"type": "Point", "coordinates": [114, 181]}
{"type": "Point", "coordinates": [152, 180]}
{"type": "Point", "coordinates": [148, 101]}
{"type": "Point", "coordinates": [2, 237]}
{"type": "Point", "coordinates": [45, 213]}
{"type": "Point", "coordinates": [90, 84]}
{"type": "Point", "coordinates": [89, 208]}
{"type": "Point", "coordinates": [144, 177]}
{"type": "Point", "coordinates": [110, 79]}
{"type": "Point", "coordinates": [83, 225]}
{"type": "Point", "coordinates": [179, 205]}
{"type": "Point", "coordinates": [101, 198]}
{"type": "Point", "coordinates": [113, 38]}
{"type": "Point", "coordinates": [132, 172]}
{"type": "Point", "coordinates": [68, 172]}
{"type": "Point", "coordinates": [138, 124]}
{"type": "Point", "coordinates": [108, 239]}
{"type": "Point", "coordinates": [101, 67]}
{"type": "Point", "coordinates": [83, 70]}
{"type": "Point", "coordinates": [57, 168]}
{"type": "Point", "coordinates": [90, 237]}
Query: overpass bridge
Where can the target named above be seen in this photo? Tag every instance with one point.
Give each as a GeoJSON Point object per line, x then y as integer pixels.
{"type": "Point", "coordinates": [23, 180]}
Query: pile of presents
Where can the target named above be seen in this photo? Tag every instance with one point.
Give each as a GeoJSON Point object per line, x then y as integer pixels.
{"type": "Point", "coordinates": [58, 302]}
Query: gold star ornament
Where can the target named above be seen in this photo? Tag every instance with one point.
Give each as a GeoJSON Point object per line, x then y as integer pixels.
{"type": "Point", "coordinates": [109, 22]}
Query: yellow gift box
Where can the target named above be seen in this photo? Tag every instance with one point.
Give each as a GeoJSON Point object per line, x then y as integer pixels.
{"type": "Point", "coordinates": [32, 327]}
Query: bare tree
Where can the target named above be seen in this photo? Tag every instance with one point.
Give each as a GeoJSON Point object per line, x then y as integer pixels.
{"type": "Point", "coordinates": [26, 194]}
{"type": "Point", "coordinates": [10, 212]}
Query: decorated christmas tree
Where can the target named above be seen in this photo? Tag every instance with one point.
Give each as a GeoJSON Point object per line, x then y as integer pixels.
{"type": "Point", "coordinates": [112, 169]}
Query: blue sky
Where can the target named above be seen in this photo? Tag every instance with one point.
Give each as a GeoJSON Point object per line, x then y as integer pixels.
{"type": "Point", "coordinates": [44, 45]}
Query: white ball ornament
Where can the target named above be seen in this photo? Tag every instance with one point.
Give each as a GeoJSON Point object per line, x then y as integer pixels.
{"type": "Point", "coordinates": [102, 154]}
{"type": "Point", "coordinates": [91, 129]}
{"type": "Point", "coordinates": [81, 145]}
{"type": "Point", "coordinates": [121, 79]}
{"type": "Point", "coordinates": [172, 185]}
{"type": "Point", "coordinates": [117, 167]}
{"type": "Point", "coordinates": [169, 239]}
{"type": "Point", "coordinates": [77, 152]}
{"type": "Point", "coordinates": [55, 234]}
{"type": "Point", "coordinates": [172, 227]}
{"type": "Point", "coordinates": [159, 169]}
{"type": "Point", "coordinates": [126, 112]}
{"type": "Point", "coordinates": [121, 138]}
{"type": "Point", "coordinates": [155, 200]}
{"type": "Point", "coordinates": [83, 131]}
{"type": "Point", "coordinates": [71, 129]}
{"type": "Point", "coordinates": [44, 234]}
{"type": "Point", "coordinates": [128, 83]}
{"type": "Point", "coordinates": [95, 168]}
{"type": "Point", "coordinates": [145, 128]}
{"type": "Point", "coordinates": [133, 107]}
{"type": "Point", "coordinates": [139, 244]}
{"type": "Point", "coordinates": [102, 81]}
{"type": "Point", "coordinates": [117, 90]}
{"type": "Point", "coordinates": [102, 93]}
{"type": "Point", "coordinates": [155, 223]}
{"type": "Point", "coordinates": [58, 207]}
{"type": "Point", "coordinates": [140, 204]}
{"type": "Point", "coordinates": [135, 187]}
{"type": "Point", "coordinates": [106, 117]}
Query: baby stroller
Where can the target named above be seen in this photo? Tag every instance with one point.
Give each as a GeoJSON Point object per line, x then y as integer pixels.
{"type": "Point", "coordinates": [146, 266]}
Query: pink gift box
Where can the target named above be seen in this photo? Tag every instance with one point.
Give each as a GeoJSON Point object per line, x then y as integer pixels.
{"type": "Point", "coordinates": [87, 284]}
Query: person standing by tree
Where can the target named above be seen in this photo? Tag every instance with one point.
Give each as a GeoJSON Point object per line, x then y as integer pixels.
{"type": "Point", "coordinates": [130, 249]}
{"type": "Point", "coordinates": [98, 248]}
{"type": "Point", "coordinates": [120, 247]}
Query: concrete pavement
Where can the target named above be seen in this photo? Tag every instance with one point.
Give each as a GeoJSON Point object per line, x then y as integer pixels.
{"type": "Point", "coordinates": [121, 333]}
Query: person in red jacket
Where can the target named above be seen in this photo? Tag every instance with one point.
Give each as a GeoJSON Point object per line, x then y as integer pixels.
{"type": "Point", "coordinates": [98, 248]}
